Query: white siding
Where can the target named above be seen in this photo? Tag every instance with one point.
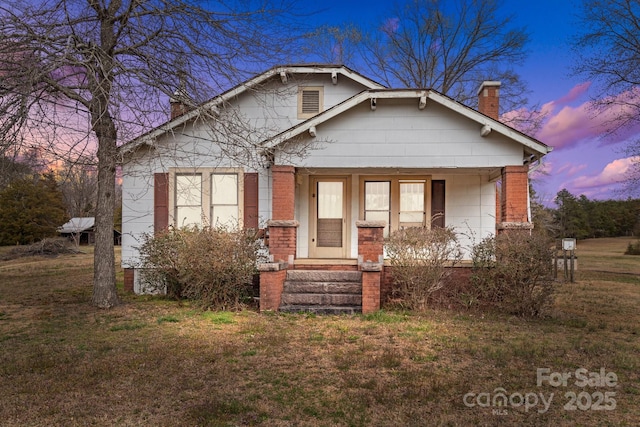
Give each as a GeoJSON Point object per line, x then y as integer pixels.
{"type": "Point", "coordinates": [177, 151]}
{"type": "Point", "coordinates": [262, 114]}
{"type": "Point", "coordinates": [398, 134]}
{"type": "Point", "coordinates": [273, 108]}
{"type": "Point", "coordinates": [470, 206]}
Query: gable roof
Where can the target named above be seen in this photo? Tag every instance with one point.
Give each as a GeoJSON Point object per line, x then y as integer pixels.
{"type": "Point", "coordinates": [280, 71]}
{"type": "Point", "coordinates": [77, 225]}
{"type": "Point", "coordinates": [532, 146]}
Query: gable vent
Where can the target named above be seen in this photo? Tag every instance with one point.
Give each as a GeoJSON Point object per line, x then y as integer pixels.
{"type": "Point", "coordinates": [310, 101]}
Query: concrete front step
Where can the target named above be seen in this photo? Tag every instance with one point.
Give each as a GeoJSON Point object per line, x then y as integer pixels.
{"type": "Point", "coordinates": [322, 287]}
{"type": "Point", "coordinates": [321, 299]}
{"type": "Point", "coordinates": [323, 276]}
{"type": "Point", "coordinates": [322, 292]}
{"type": "Point", "coordinates": [321, 309]}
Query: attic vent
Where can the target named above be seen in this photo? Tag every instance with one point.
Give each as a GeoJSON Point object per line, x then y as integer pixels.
{"type": "Point", "coordinates": [309, 101]}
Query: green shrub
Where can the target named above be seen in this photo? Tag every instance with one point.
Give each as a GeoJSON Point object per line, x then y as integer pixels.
{"type": "Point", "coordinates": [30, 210]}
{"type": "Point", "coordinates": [514, 272]}
{"type": "Point", "coordinates": [420, 258]}
{"type": "Point", "coordinates": [633, 248]}
{"type": "Point", "coordinates": [213, 267]}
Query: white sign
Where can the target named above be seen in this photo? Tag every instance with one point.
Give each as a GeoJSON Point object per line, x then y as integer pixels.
{"type": "Point", "coordinates": [568, 244]}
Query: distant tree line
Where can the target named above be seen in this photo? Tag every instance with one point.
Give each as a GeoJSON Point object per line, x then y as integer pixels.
{"type": "Point", "coordinates": [36, 199]}
{"type": "Point", "coordinates": [581, 218]}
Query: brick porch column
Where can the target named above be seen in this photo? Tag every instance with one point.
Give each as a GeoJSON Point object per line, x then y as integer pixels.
{"type": "Point", "coordinates": [370, 262]}
{"type": "Point", "coordinates": [283, 226]}
{"type": "Point", "coordinates": [282, 239]}
{"type": "Point", "coordinates": [514, 207]}
{"type": "Point", "coordinates": [272, 277]}
{"type": "Point", "coordinates": [283, 195]}
{"type": "Point", "coordinates": [371, 276]}
{"type": "Point", "coordinates": [370, 241]}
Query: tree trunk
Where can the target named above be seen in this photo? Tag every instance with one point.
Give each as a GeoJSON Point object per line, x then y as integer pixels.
{"type": "Point", "coordinates": [104, 273]}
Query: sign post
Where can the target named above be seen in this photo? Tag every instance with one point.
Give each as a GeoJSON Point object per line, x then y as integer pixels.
{"type": "Point", "coordinates": [569, 246]}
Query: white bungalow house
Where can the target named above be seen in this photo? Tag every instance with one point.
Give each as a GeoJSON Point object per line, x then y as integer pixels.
{"type": "Point", "coordinates": [331, 162]}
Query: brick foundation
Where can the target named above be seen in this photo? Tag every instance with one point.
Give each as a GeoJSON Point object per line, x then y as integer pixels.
{"type": "Point", "coordinates": [458, 281]}
{"type": "Point", "coordinates": [129, 279]}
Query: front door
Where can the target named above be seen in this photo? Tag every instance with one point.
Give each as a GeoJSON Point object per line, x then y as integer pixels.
{"type": "Point", "coordinates": [329, 220]}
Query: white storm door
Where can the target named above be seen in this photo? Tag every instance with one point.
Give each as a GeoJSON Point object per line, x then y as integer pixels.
{"type": "Point", "coordinates": [329, 218]}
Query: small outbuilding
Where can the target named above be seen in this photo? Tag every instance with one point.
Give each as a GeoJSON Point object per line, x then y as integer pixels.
{"type": "Point", "coordinates": [82, 231]}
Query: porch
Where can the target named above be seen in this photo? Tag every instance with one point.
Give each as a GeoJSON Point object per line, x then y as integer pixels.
{"type": "Point", "coordinates": [336, 221]}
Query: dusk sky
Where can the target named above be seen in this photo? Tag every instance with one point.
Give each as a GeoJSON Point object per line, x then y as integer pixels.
{"type": "Point", "coordinates": [582, 161]}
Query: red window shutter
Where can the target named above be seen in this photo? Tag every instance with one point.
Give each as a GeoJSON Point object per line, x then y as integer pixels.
{"type": "Point", "coordinates": [437, 203]}
{"type": "Point", "coordinates": [251, 200]}
{"type": "Point", "coordinates": [160, 201]}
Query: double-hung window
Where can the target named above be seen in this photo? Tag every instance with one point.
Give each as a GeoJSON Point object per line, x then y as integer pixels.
{"type": "Point", "coordinates": [224, 199]}
{"type": "Point", "coordinates": [209, 197]}
{"type": "Point", "coordinates": [188, 199]}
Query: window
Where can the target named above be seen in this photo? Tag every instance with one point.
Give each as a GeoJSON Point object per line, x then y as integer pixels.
{"type": "Point", "coordinates": [209, 197]}
{"type": "Point", "coordinates": [188, 199]}
{"type": "Point", "coordinates": [377, 202]}
{"type": "Point", "coordinates": [224, 199]}
{"type": "Point", "coordinates": [412, 204]}
{"type": "Point", "coordinates": [403, 201]}
{"type": "Point", "coordinates": [310, 101]}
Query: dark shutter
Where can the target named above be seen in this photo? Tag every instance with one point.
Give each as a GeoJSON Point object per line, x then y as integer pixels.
{"type": "Point", "coordinates": [160, 201]}
{"type": "Point", "coordinates": [437, 203]}
{"type": "Point", "coordinates": [251, 200]}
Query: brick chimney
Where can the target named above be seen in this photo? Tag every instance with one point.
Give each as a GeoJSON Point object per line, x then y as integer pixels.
{"type": "Point", "coordinates": [179, 104]}
{"type": "Point", "coordinates": [489, 99]}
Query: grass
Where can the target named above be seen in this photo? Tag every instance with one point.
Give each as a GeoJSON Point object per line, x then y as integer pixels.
{"type": "Point", "coordinates": [153, 361]}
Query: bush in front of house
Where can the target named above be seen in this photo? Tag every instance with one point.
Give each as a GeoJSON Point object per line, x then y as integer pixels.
{"type": "Point", "coordinates": [211, 266]}
{"type": "Point", "coordinates": [514, 272]}
{"type": "Point", "coordinates": [421, 258]}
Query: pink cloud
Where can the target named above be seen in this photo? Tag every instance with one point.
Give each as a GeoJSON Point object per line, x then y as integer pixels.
{"type": "Point", "coordinates": [570, 169]}
{"type": "Point", "coordinates": [576, 92]}
{"type": "Point", "coordinates": [613, 173]}
{"type": "Point", "coordinates": [571, 125]}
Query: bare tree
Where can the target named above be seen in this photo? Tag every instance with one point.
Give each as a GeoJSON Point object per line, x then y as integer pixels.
{"type": "Point", "coordinates": [607, 49]}
{"type": "Point", "coordinates": [78, 74]}
{"type": "Point", "coordinates": [78, 180]}
{"type": "Point", "coordinates": [449, 46]}
{"type": "Point", "coordinates": [334, 44]}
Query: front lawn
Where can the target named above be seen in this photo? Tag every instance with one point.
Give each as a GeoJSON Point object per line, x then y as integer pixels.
{"type": "Point", "coordinates": [153, 361]}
